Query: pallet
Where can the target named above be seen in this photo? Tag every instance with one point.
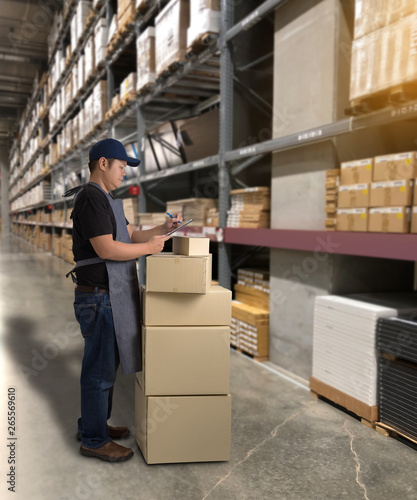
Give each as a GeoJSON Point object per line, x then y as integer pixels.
{"type": "Point", "coordinates": [259, 359]}
{"type": "Point", "coordinates": [148, 87]}
{"type": "Point", "coordinates": [361, 410]}
{"type": "Point", "coordinates": [389, 431]}
{"type": "Point", "coordinates": [201, 43]}
{"type": "Point", "coordinates": [393, 96]}
{"type": "Point", "coordinates": [169, 70]}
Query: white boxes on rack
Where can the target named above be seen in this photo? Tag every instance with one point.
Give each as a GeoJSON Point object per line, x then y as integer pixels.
{"type": "Point", "coordinates": [83, 9]}
{"type": "Point", "coordinates": [89, 57]}
{"type": "Point", "coordinates": [344, 355]}
{"type": "Point", "coordinates": [81, 71]}
{"type": "Point", "coordinates": [204, 18]}
{"type": "Point", "coordinates": [100, 42]}
{"type": "Point", "coordinates": [171, 34]}
{"type": "Point", "coordinates": [145, 49]}
{"type": "Point", "coordinates": [99, 102]}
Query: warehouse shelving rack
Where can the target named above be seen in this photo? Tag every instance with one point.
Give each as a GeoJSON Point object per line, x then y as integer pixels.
{"type": "Point", "coordinates": [233, 161]}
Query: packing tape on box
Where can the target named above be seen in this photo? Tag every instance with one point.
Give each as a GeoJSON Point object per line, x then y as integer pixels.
{"type": "Point", "coordinates": [385, 223]}
{"type": "Point", "coordinates": [351, 222]}
{"type": "Point", "coordinates": [387, 197]}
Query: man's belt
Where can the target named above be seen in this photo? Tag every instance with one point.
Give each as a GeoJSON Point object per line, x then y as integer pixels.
{"type": "Point", "coordinates": [90, 289]}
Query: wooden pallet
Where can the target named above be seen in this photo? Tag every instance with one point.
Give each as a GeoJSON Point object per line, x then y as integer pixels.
{"type": "Point", "coordinates": [148, 87]}
{"type": "Point", "coordinates": [361, 410]}
{"type": "Point", "coordinates": [201, 43]}
{"type": "Point", "coordinates": [169, 70]}
{"type": "Point", "coordinates": [389, 431]}
{"type": "Point", "coordinates": [393, 96]}
{"type": "Point", "coordinates": [259, 359]}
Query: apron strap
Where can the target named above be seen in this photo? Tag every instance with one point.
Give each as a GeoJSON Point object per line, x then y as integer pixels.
{"type": "Point", "coordinates": [81, 263]}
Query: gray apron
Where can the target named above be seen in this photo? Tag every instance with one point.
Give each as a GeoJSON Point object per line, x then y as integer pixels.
{"type": "Point", "coordinates": [124, 292]}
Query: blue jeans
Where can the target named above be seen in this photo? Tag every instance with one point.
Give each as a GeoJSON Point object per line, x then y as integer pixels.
{"type": "Point", "coordinates": [99, 366]}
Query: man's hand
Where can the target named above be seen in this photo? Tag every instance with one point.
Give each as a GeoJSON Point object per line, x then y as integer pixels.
{"type": "Point", "coordinates": [170, 224]}
{"type": "Point", "coordinates": [156, 243]}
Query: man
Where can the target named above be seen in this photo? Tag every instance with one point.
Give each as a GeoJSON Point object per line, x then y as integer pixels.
{"type": "Point", "coordinates": [107, 294]}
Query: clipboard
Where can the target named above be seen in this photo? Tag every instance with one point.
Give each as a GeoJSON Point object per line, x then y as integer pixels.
{"type": "Point", "coordinates": [179, 227]}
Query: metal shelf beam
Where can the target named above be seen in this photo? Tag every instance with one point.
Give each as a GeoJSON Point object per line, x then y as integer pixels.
{"type": "Point", "coordinates": [253, 18]}
{"type": "Point", "coordinates": [379, 245]}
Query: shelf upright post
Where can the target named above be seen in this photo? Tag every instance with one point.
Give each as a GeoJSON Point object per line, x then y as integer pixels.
{"type": "Point", "coordinates": [65, 170]}
{"type": "Point", "coordinates": [140, 124]}
{"type": "Point", "coordinates": [5, 233]}
{"type": "Point", "coordinates": [226, 135]}
{"type": "Point", "coordinates": [109, 69]}
{"type": "Point", "coordinates": [53, 209]}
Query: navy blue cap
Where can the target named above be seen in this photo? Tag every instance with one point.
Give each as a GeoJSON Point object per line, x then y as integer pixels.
{"type": "Point", "coordinates": [111, 148]}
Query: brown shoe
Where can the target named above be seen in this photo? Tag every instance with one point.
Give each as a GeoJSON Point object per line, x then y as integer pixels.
{"type": "Point", "coordinates": [110, 452]}
{"type": "Point", "coordinates": [114, 433]}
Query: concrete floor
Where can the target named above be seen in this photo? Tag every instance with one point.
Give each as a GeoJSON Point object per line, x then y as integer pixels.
{"type": "Point", "coordinates": [285, 444]}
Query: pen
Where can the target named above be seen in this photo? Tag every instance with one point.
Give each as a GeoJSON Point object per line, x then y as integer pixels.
{"type": "Point", "coordinates": [172, 217]}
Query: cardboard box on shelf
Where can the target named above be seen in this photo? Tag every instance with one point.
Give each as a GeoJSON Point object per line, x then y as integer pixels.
{"type": "Point", "coordinates": [186, 360]}
{"type": "Point", "coordinates": [128, 87]}
{"type": "Point", "coordinates": [171, 26]}
{"type": "Point", "coordinates": [389, 220]}
{"type": "Point", "coordinates": [413, 220]}
{"type": "Point", "coordinates": [130, 207]}
{"type": "Point", "coordinates": [391, 193]}
{"type": "Point", "coordinates": [171, 309]}
{"type": "Point", "coordinates": [204, 18]}
{"type": "Point", "coordinates": [167, 272]}
{"type": "Point", "coordinates": [185, 245]}
{"type": "Point", "coordinates": [352, 219]}
{"type": "Point", "coordinates": [356, 172]}
{"type": "Point", "coordinates": [100, 42]}
{"type": "Point", "coordinates": [89, 54]}
{"type": "Point", "coordinates": [395, 167]}
{"type": "Point", "coordinates": [145, 49]}
{"type": "Point", "coordinates": [252, 296]}
{"type": "Point", "coordinates": [99, 102]}
{"type": "Point", "coordinates": [83, 10]}
{"type": "Point", "coordinates": [353, 196]}
{"type": "Point", "coordinates": [182, 428]}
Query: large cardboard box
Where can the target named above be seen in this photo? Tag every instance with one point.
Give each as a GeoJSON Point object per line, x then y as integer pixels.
{"type": "Point", "coordinates": [100, 42]}
{"type": "Point", "coordinates": [395, 167]}
{"type": "Point", "coordinates": [356, 172]}
{"type": "Point", "coordinates": [169, 309]}
{"type": "Point", "coordinates": [204, 18]}
{"type": "Point", "coordinates": [389, 220]}
{"type": "Point", "coordinates": [167, 272]}
{"type": "Point", "coordinates": [354, 196]}
{"type": "Point", "coordinates": [171, 34]}
{"type": "Point", "coordinates": [391, 193]}
{"type": "Point", "coordinates": [182, 428]}
{"type": "Point", "coordinates": [185, 360]}
{"type": "Point", "coordinates": [184, 245]}
{"type": "Point", "coordinates": [414, 220]}
{"type": "Point", "coordinates": [145, 50]}
{"type": "Point", "coordinates": [99, 102]}
{"type": "Point", "coordinates": [352, 219]}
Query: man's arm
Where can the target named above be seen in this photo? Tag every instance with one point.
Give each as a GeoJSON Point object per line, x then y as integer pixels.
{"type": "Point", "coordinates": [147, 234]}
{"type": "Point", "coordinates": [109, 249]}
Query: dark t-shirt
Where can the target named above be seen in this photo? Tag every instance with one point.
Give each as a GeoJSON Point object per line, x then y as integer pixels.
{"type": "Point", "coordinates": [92, 216]}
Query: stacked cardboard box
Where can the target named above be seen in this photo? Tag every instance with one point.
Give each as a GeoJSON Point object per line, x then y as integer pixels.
{"type": "Point", "coordinates": [250, 208]}
{"type": "Point", "coordinates": [56, 246]}
{"type": "Point", "coordinates": [66, 248]}
{"type": "Point", "coordinates": [331, 186]}
{"type": "Point", "coordinates": [128, 87]}
{"type": "Point", "coordinates": [185, 353]}
{"type": "Point", "coordinates": [152, 219]}
{"type": "Point", "coordinates": [99, 97]}
{"type": "Point", "coordinates": [250, 329]}
{"type": "Point", "coordinates": [192, 208]}
{"type": "Point", "coordinates": [130, 207]}
{"type": "Point", "coordinates": [383, 52]}
{"type": "Point", "coordinates": [252, 288]}
{"type": "Point", "coordinates": [353, 195]}
{"type": "Point", "coordinates": [171, 34]}
{"type": "Point", "coordinates": [126, 11]}
{"type": "Point", "coordinates": [204, 18]}
{"type": "Point", "coordinates": [100, 42]}
{"type": "Point", "coordinates": [145, 49]}
{"type": "Point", "coordinates": [89, 55]}
{"type": "Point", "coordinates": [212, 217]}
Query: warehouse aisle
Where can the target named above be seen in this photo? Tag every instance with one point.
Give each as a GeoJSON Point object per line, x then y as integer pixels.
{"type": "Point", "coordinates": [285, 444]}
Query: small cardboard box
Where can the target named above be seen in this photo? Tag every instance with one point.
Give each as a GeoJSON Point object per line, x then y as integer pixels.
{"type": "Point", "coordinates": [168, 272]}
{"type": "Point", "coordinates": [356, 172]}
{"type": "Point", "coordinates": [178, 429]}
{"type": "Point", "coordinates": [184, 245]}
{"type": "Point", "coordinates": [186, 360]}
{"type": "Point", "coordinates": [414, 220]}
{"type": "Point", "coordinates": [395, 167]}
{"type": "Point", "coordinates": [389, 220]}
{"type": "Point", "coordinates": [353, 196]}
{"type": "Point", "coordinates": [391, 193]}
{"type": "Point", "coordinates": [186, 309]}
{"type": "Point", "coordinates": [352, 219]}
